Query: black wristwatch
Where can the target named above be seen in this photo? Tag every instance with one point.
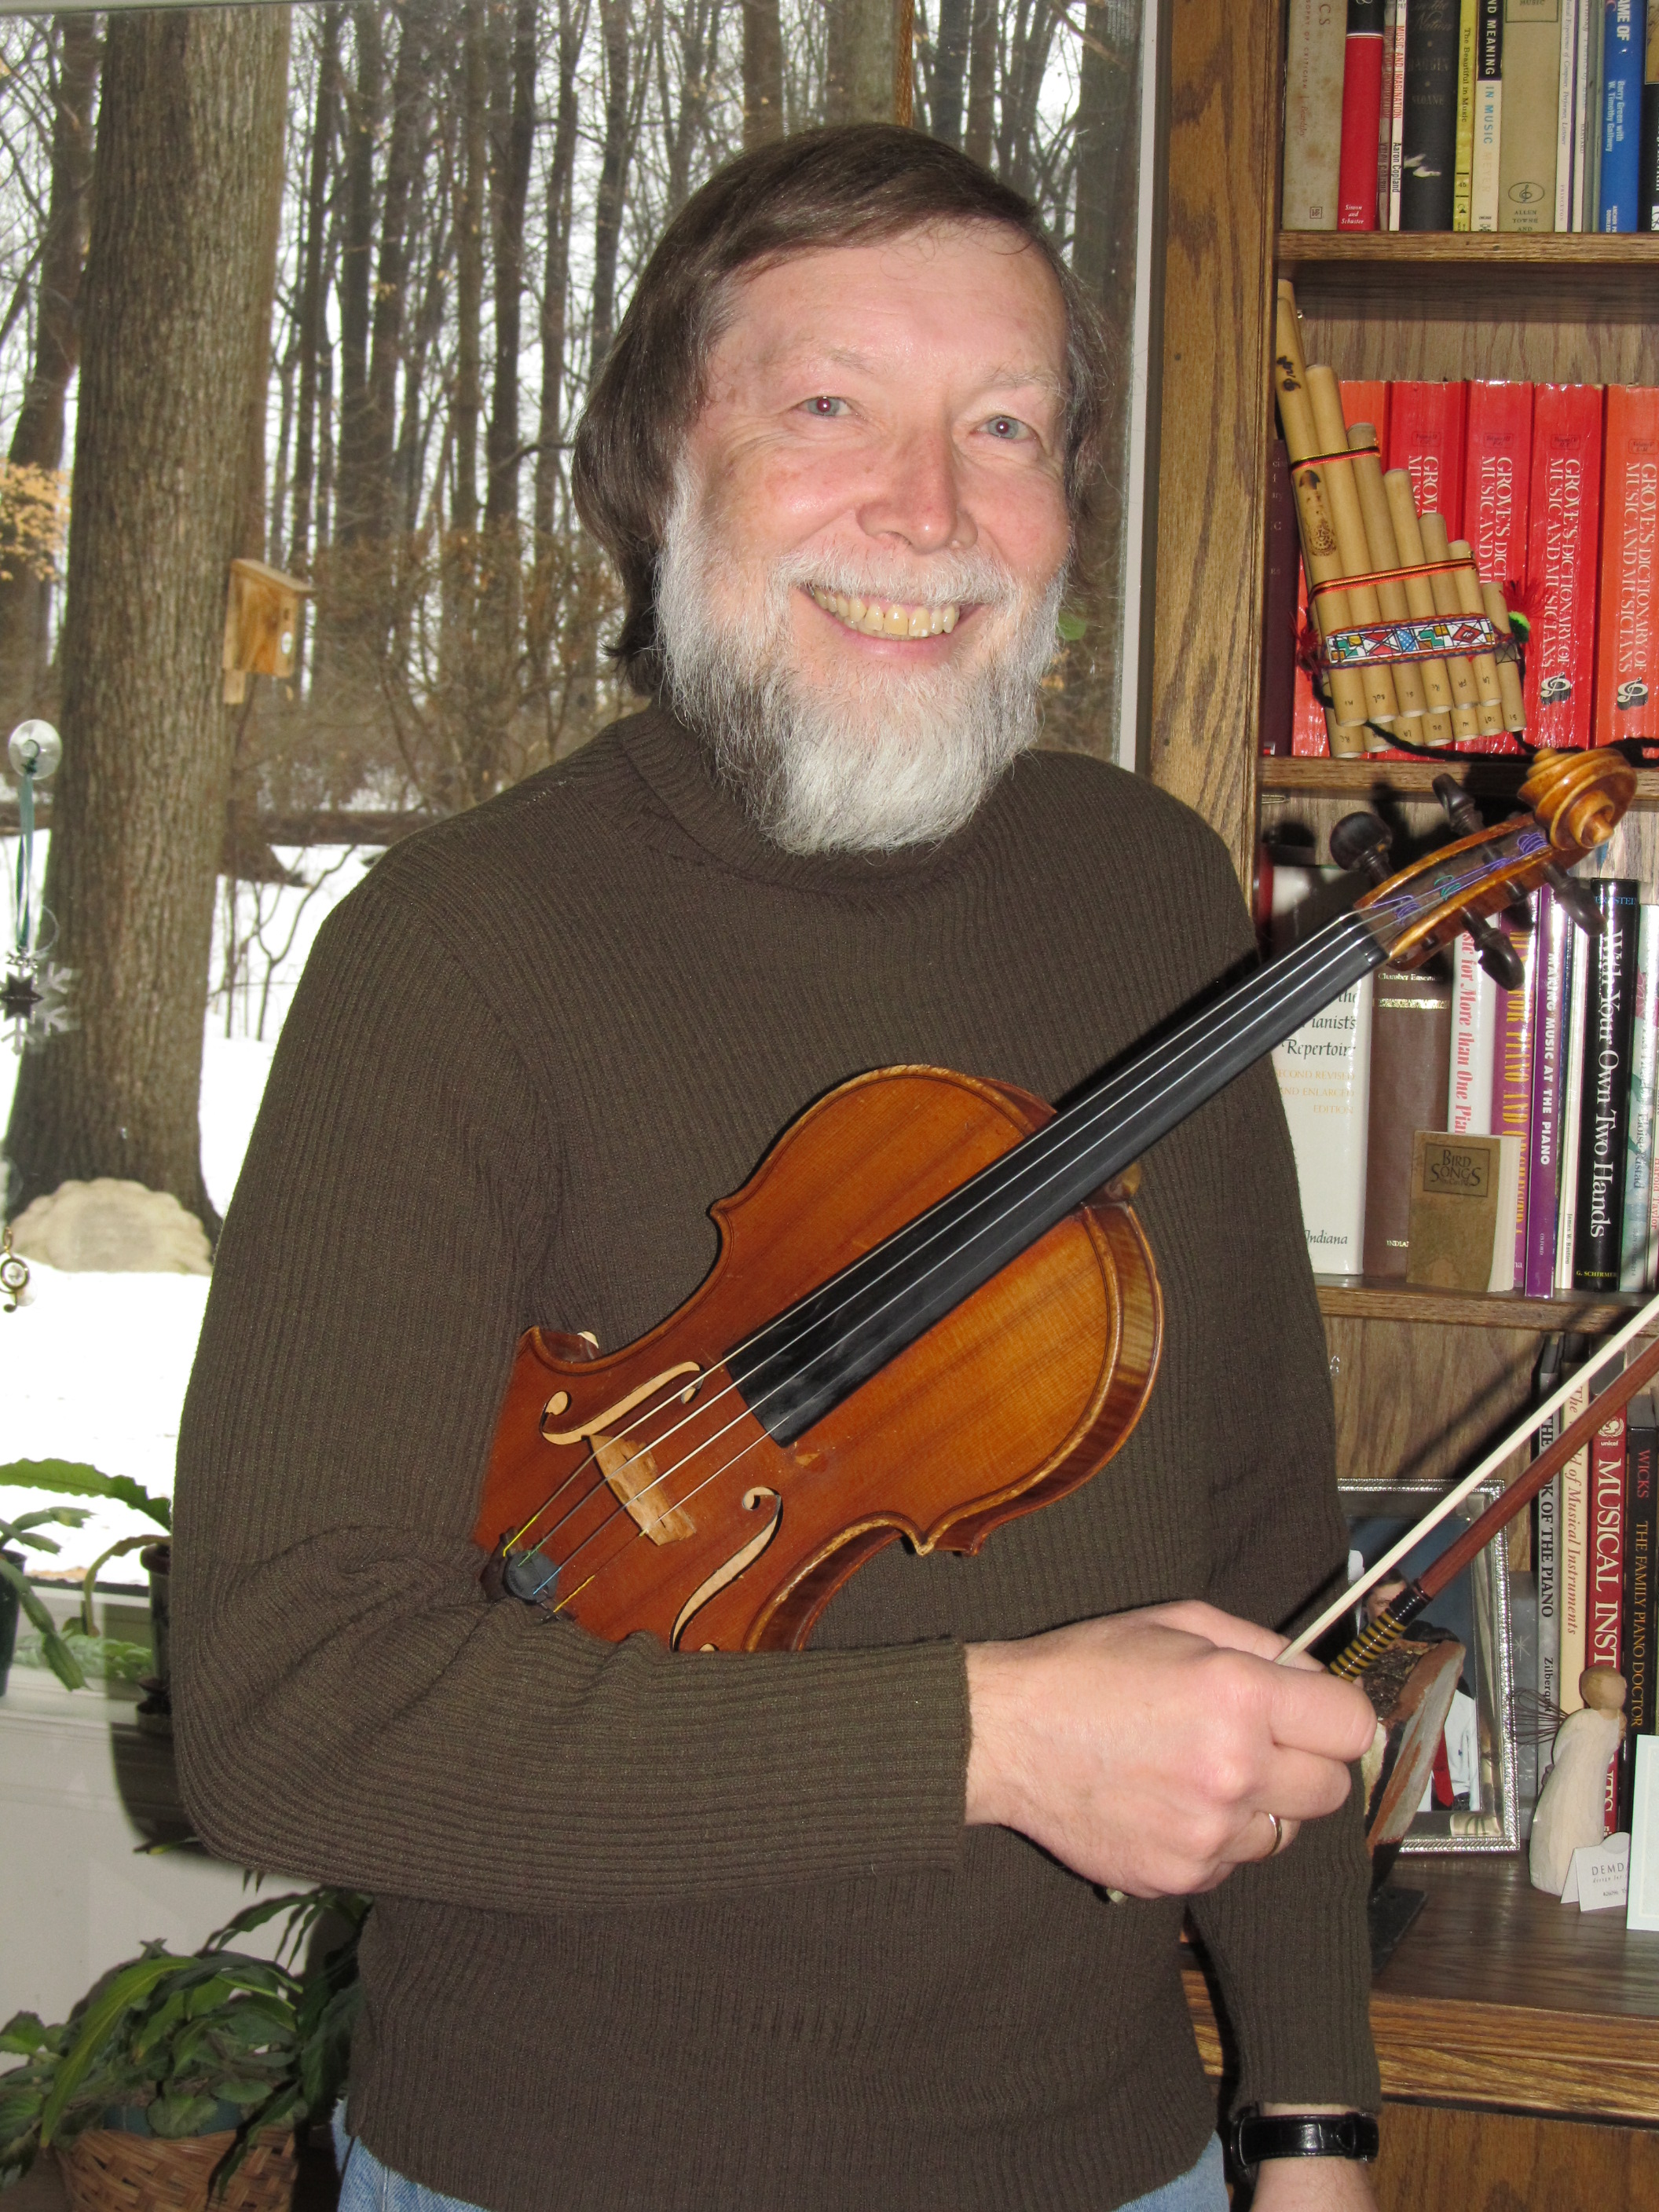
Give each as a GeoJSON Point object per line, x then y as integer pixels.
{"type": "Point", "coordinates": [1257, 2135]}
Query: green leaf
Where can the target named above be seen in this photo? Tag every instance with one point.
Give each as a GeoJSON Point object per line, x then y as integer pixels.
{"type": "Point", "coordinates": [61, 1516]}
{"type": "Point", "coordinates": [89, 1580]}
{"type": "Point", "coordinates": [123, 1994]}
{"type": "Point", "coordinates": [1071, 625]}
{"type": "Point", "coordinates": [59, 1657]}
{"type": "Point", "coordinates": [25, 2031]}
{"type": "Point", "coordinates": [75, 1479]}
{"type": "Point", "coordinates": [172, 2117]}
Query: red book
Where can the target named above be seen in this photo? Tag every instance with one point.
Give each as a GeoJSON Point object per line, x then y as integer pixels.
{"type": "Point", "coordinates": [1311, 735]}
{"type": "Point", "coordinates": [1497, 472]}
{"type": "Point", "coordinates": [1603, 1645]}
{"type": "Point", "coordinates": [1365, 399]}
{"type": "Point", "coordinates": [1362, 108]}
{"type": "Point", "coordinates": [1563, 538]}
{"type": "Point", "coordinates": [1426, 435]}
{"type": "Point", "coordinates": [1627, 646]}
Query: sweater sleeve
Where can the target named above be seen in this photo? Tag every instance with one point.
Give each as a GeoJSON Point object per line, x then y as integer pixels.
{"type": "Point", "coordinates": [1287, 1937]}
{"type": "Point", "coordinates": [349, 1706]}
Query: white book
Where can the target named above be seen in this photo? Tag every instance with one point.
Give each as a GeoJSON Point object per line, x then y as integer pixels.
{"type": "Point", "coordinates": [1474, 1034]}
{"type": "Point", "coordinates": [1633, 1263]}
{"type": "Point", "coordinates": [1324, 1073]}
{"type": "Point", "coordinates": [1567, 88]}
{"type": "Point", "coordinates": [1566, 1217]}
{"type": "Point", "coordinates": [1488, 129]}
{"type": "Point", "coordinates": [1315, 49]}
{"type": "Point", "coordinates": [1586, 134]}
{"type": "Point", "coordinates": [1393, 118]}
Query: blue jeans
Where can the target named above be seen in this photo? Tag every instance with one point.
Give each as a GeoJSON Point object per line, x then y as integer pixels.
{"type": "Point", "coordinates": [366, 2185]}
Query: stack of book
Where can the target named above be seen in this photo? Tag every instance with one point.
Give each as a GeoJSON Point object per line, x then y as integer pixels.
{"type": "Point", "coordinates": [1454, 1135]}
{"type": "Point", "coordinates": [1556, 488]}
{"type": "Point", "coordinates": [1595, 1532]}
{"type": "Point", "coordinates": [1517, 115]}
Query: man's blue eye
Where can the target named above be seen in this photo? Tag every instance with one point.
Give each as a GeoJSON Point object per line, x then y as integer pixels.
{"type": "Point", "coordinates": [825, 405]}
{"type": "Point", "coordinates": [1005, 426]}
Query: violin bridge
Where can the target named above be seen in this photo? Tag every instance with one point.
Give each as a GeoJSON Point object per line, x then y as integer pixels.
{"type": "Point", "coordinates": [634, 1479]}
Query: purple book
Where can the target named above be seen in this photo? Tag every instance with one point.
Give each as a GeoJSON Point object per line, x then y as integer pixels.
{"type": "Point", "coordinates": [1553, 986]}
{"type": "Point", "coordinates": [1512, 1071]}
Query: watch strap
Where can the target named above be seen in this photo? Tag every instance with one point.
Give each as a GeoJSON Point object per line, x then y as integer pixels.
{"type": "Point", "coordinates": [1259, 2135]}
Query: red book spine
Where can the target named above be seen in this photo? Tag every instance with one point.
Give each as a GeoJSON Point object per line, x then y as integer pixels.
{"type": "Point", "coordinates": [1426, 435]}
{"type": "Point", "coordinates": [1497, 474]}
{"type": "Point", "coordinates": [1602, 1643]}
{"type": "Point", "coordinates": [1362, 109]}
{"type": "Point", "coordinates": [1311, 735]}
{"type": "Point", "coordinates": [1627, 648]}
{"type": "Point", "coordinates": [1563, 538]}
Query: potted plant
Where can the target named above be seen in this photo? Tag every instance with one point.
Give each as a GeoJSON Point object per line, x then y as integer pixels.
{"type": "Point", "coordinates": [64, 1654]}
{"type": "Point", "coordinates": [178, 2080]}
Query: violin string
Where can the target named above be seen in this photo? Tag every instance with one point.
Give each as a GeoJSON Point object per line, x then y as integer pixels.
{"type": "Point", "coordinates": [1308, 957]}
{"type": "Point", "coordinates": [1304, 967]}
{"type": "Point", "coordinates": [1301, 969]}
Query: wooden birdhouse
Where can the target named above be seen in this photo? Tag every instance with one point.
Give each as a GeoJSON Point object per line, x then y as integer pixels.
{"type": "Point", "coordinates": [262, 625]}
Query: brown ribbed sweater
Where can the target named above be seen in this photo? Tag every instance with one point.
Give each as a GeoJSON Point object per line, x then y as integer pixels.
{"type": "Point", "coordinates": [707, 1933]}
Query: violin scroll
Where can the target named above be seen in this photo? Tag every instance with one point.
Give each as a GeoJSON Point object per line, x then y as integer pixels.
{"type": "Point", "coordinates": [1579, 798]}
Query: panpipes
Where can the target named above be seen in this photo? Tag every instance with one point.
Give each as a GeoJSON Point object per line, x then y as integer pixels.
{"type": "Point", "coordinates": [1414, 644]}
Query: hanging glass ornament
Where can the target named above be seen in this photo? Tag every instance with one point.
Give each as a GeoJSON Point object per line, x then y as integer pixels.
{"type": "Point", "coordinates": [34, 994]}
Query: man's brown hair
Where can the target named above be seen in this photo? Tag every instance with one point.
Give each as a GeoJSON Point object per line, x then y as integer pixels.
{"type": "Point", "coordinates": [850, 183]}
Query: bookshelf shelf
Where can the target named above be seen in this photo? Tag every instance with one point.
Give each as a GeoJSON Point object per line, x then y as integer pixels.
{"type": "Point", "coordinates": [1484, 774]}
{"type": "Point", "coordinates": [1398, 249]}
{"type": "Point", "coordinates": [1346, 1297]}
{"type": "Point", "coordinates": [1453, 276]}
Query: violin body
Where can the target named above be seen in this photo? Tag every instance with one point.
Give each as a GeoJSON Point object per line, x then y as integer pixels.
{"type": "Point", "coordinates": [665, 1504]}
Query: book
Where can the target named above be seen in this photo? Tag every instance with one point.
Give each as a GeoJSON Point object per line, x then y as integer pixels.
{"type": "Point", "coordinates": [1567, 84]}
{"type": "Point", "coordinates": [1488, 116]}
{"type": "Point", "coordinates": [1426, 429]}
{"type": "Point", "coordinates": [1473, 1034]}
{"type": "Point", "coordinates": [1638, 1626]}
{"type": "Point", "coordinates": [1324, 1080]}
{"type": "Point", "coordinates": [1396, 15]}
{"type": "Point", "coordinates": [1563, 541]}
{"type": "Point", "coordinates": [1411, 1046]}
{"type": "Point", "coordinates": [1461, 1223]}
{"type": "Point", "coordinates": [1279, 618]}
{"type": "Point", "coordinates": [1572, 1553]}
{"type": "Point", "coordinates": [1428, 159]}
{"type": "Point", "coordinates": [1633, 1264]}
{"type": "Point", "coordinates": [1627, 633]}
{"type": "Point", "coordinates": [1362, 112]}
{"type": "Point", "coordinates": [1605, 1564]}
{"type": "Point", "coordinates": [1497, 478]}
{"type": "Point", "coordinates": [1552, 995]}
{"type": "Point", "coordinates": [1515, 1012]}
{"type": "Point", "coordinates": [1572, 1091]}
{"type": "Point", "coordinates": [1604, 1107]}
{"type": "Point", "coordinates": [1468, 39]}
{"type": "Point", "coordinates": [1532, 92]}
{"type": "Point", "coordinates": [1647, 178]}
{"type": "Point", "coordinates": [1316, 36]}
{"type": "Point", "coordinates": [1545, 1537]}
{"type": "Point", "coordinates": [1622, 61]}
{"type": "Point", "coordinates": [1588, 120]}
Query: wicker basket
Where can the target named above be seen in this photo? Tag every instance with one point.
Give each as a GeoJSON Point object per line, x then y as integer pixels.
{"type": "Point", "coordinates": [107, 2170]}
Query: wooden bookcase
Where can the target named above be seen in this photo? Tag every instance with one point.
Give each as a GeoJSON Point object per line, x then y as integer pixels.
{"type": "Point", "coordinates": [1421, 1380]}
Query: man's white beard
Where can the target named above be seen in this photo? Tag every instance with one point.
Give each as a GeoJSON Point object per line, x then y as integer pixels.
{"type": "Point", "coordinates": [879, 759]}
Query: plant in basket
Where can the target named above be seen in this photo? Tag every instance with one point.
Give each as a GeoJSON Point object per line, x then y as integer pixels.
{"type": "Point", "coordinates": [175, 2079]}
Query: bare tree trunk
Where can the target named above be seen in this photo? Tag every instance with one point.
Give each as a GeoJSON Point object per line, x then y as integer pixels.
{"type": "Point", "coordinates": [982, 82]}
{"type": "Point", "coordinates": [859, 88]}
{"type": "Point", "coordinates": [355, 496]}
{"type": "Point", "coordinates": [555, 274]}
{"type": "Point", "coordinates": [762, 73]}
{"type": "Point", "coordinates": [189, 151]}
{"type": "Point", "coordinates": [613, 179]}
{"type": "Point", "coordinates": [699, 25]}
{"type": "Point", "coordinates": [950, 69]}
{"type": "Point", "coordinates": [324, 126]}
{"type": "Point", "coordinates": [514, 136]}
{"type": "Point", "coordinates": [472, 162]}
{"type": "Point", "coordinates": [392, 273]}
{"type": "Point", "coordinates": [37, 441]}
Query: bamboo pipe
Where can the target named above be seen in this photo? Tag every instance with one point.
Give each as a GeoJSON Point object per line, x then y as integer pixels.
{"type": "Point", "coordinates": [1509, 676]}
{"type": "Point", "coordinates": [1490, 711]}
{"type": "Point", "coordinates": [1424, 605]}
{"type": "Point", "coordinates": [1364, 605]}
{"type": "Point", "coordinates": [1433, 723]}
{"type": "Point", "coordinates": [1349, 712]}
{"type": "Point", "coordinates": [1448, 601]}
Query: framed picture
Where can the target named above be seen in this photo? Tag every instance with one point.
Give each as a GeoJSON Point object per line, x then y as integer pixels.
{"type": "Point", "coordinates": [1476, 1805]}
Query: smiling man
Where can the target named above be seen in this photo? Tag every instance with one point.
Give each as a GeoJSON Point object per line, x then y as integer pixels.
{"type": "Point", "coordinates": [716, 1931]}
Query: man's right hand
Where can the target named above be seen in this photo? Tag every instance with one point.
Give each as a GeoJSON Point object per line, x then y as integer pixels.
{"type": "Point", "coordinates": [1146, 1749]}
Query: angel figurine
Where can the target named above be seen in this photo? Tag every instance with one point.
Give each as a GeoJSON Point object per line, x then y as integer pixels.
{"type": "Point", "coordinates": [1571, 1804]}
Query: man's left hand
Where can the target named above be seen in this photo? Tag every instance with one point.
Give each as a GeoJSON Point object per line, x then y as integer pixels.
{"type": "Point", "coordinates": [1313, 2185]}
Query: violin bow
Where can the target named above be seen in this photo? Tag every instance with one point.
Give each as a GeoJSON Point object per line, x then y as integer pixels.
{"type": "Point", "coordinates": [1420, 1593]}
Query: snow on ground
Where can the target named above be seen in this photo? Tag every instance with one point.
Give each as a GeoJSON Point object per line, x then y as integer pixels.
{"type": "Point", "coordinates": [93, 1367]}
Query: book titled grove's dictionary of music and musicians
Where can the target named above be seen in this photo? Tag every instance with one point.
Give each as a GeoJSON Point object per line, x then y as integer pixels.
{"type": "Point", "coordinates": [1462, 1212]}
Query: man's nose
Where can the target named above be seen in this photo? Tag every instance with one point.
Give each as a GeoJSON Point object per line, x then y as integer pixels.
{"type": "Point", "coordinates": [915, 497]}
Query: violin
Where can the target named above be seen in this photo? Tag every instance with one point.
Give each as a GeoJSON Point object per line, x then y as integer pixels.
{"type": "Point", "coordinates": [933, 1308]}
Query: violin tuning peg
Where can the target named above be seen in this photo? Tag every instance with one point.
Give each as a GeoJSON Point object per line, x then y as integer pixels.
{"type": "Point", "coordinates": [1498, 955]}
{"type": "Point", "coordinates": [1461, 810]}
{"type": "Point", "coordinates": [1575, 901]}
{"type": "Point", "coordinates": [1362, 843]}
